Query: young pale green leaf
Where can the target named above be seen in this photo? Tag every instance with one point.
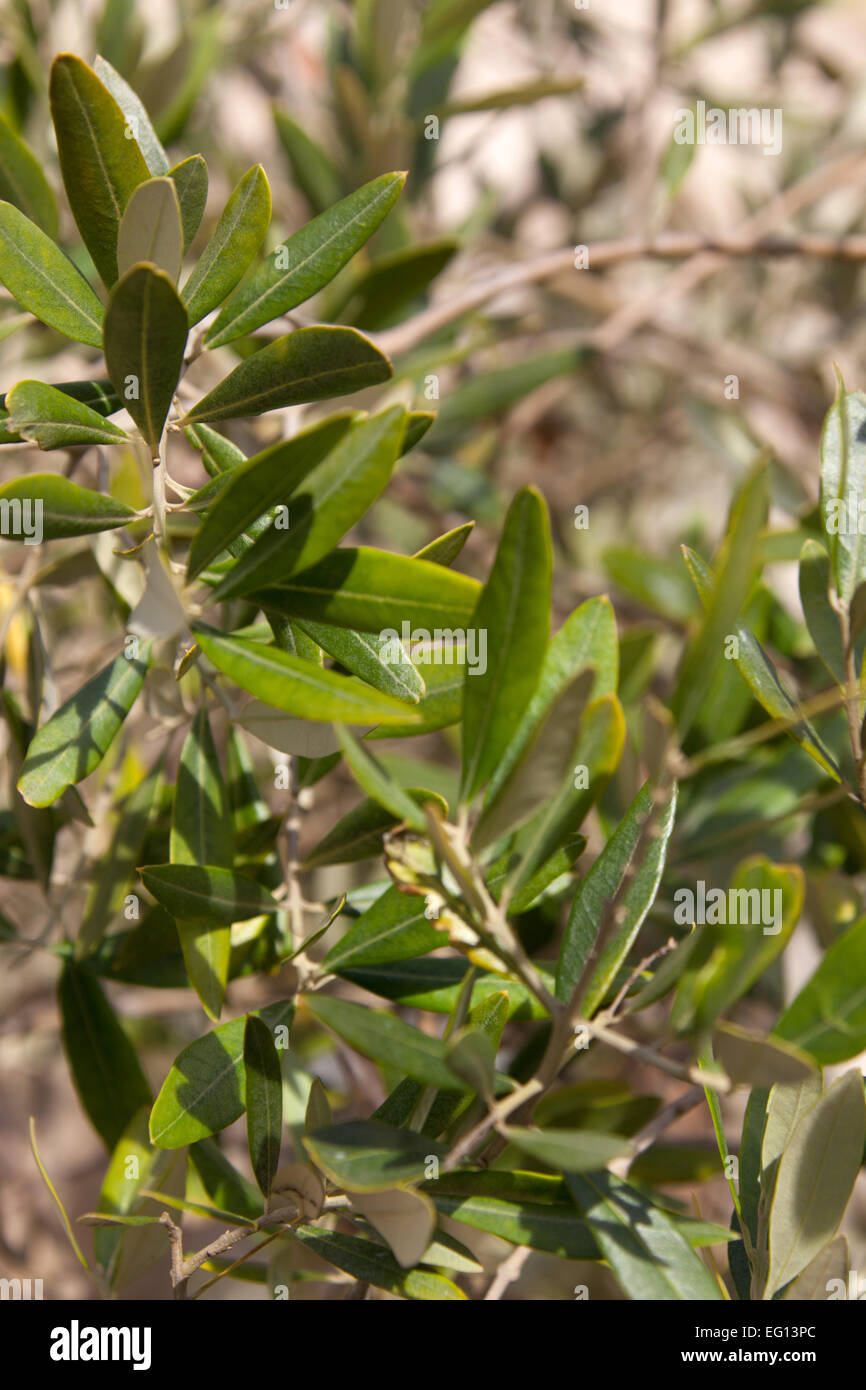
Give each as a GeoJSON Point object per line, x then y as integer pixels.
{"type": "Point", "coordinates": [393, 928]}
{"type": "Point", "coordinates": [102, 1060]}
{"type": "Point", "coordinates": [828, 1017]}
{"type": "Point", "coordinates": [822, 622]}
{"type": "Point", "coordinates": [380, 661]}
{"type": "Point", "coordinates": [843, 489]}
{"type": "Point", "coordinates": [77, 736]}
{"type": "Point", "coordinates": [368, 1156]}
{"type": "Point", "coordinates": [264, 1099]}
{"type": "Point", "coordinates": [297, 686]}
{"type": "Point", "coordinates": [787, 1103]}
{"type": "Point", "coordinates": [258, 483]}
{"type": "Point", "coordinates": [372, 1263]}
{"type": "Point", "coordinates": [406, 1219]}
{"type": "Point", "coordinates": [54, 420]}
{"type": "Point", "coordinates": [46, 506]}
{"type": "Point", "coordinates": [312, 167]}
{"type": "Point", "coordinates": [472, 1055]}
{"type": "Point", "coordinates": [651, 1259]}
{"type": "Point", "coordinates": [145, 337]}
{"type": "Point", "coordinates": [547, 760]}
{"type": "Point", "coordinates": [514, 613]}
{"type": "Point", "coordinates": [150, 229]}
{"type": "Point", "coordinates": [374, 780]}
{"type": "Point", "coordinates": [207, 948]}
{"type": "Point", "coordinates": [445, 549]}
{"type": "Point", "coordinates": [333, 496]}
{"type": "Point", "coordinates": [137, 120]}
{"type": "Point", "coordinates": [41, 278]}
{"type": "Point", "coordinates": [206, 891]}
{"type": "Point", "coordinates": [814, 1180]}
{"type": "Point", "coordinates": [568, 1150]}
{"type": "Point", "coordinates": [205, 1091]}
{"type": "Point", "coordinates": [751, 1060]}
{"type": "Point", "coordinates": [22, 181]}
{"type": "Point", "coordinates": [587, 639]}
{"type": "Point", "coordinates": [386, 1040]}
{"type": "Point", "coordinates": [373, 590]}
{"type": "Point", "coordinates": [101, 168]}
{"type": "Point", "coordinates": [235, 240]}
{"type": "Point", "coordinates": [318, 1112]}
{"type": "Point", "coordinates": [201, 827]}
{"type": "Point", "coordinates": [307, 261]}
{"type": "Point", "coordinates": [761, 675]}
{"type": "Point", "coordinates": [311, 364]}
{"type": "Point", "coordinates": [190, 178]}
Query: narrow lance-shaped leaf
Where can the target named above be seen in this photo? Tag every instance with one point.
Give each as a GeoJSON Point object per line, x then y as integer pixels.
{"type": "Point", "coordinates": [22, 181]}
{"type": "Point", "coordinates": [368, 1156]}
{"type": "Point", "coordinates": [264, 1097]}
{"type": "Point", "coordinates": [333, 496]}
{"type": "Point", "coordinates": [101, 167]}
{"type": "Point", "coordinates": [105, 1069]}
{"type": "Point", "coordinates": [137, 120]}
{"type": "Point", "coordinates": [46, 507]}
{"type": "Point", "coordinates": [150, 229]}
{"type": "Point", "coordinates": [821, 620]}
{"type": "Point", "coordinates": [207, 891]}
{"type": "Point", "coordinates": [828, 1016]}
{"type": "Point", "coordinates": [387, 1040]}
{"type": "Point", "coordinates": [54, 420]}
{"type": "Point", "coordinates": [76, 738]}
{"type": "Point", "coordinates": [311, 364]}
{"type": "Point", "coordinates": [145, 337]}
{"type": "Point", "coordinates": [312, 167]}
{"type": "Point", "coordinates": [298, 686]}
{"type": "Point", "coordinates": [236, 239]}
{"type": "Point", "coordinates": [374, 780]}
{"type": "Point", "coordinates": [371, 1263]}
{"type": "Point", "coordinates": [843, 488]}
{"type": "Point", "coordinates": [42, 279]}
{"type": "Point", "coordinates": [201, 828]}
{"type": "Point", "coordinates": [307, 261]}
{"type": "Point", "coordinates": [190, 178]}
{"type": "Point", "coordinates": [514, 614]}
{"type": "Point", "coordinates": [379, 660]}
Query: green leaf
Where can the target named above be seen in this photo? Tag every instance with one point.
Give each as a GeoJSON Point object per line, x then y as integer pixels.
{"type": "Point", "coordinates": [587, 639]}
{"type": "Point", "coordinates": [125, 1255]}
{"type": "Point", "coordinates": [201, 827]}
{"type": "Point", "coordinates": [514, 613]}
{"type": "Point", "coordinates": [264, 1101]}
{"type": "Point", "coordinates": [373, 657]}
{"type": "Point", "coordinates": [311, 364]}
{"type": "Point", "coordinates": [651, 1259]}
{"type": "Point", "coordinates": [101, 168]}
{"type": "Point", "coordinates": [831, 1263]}
{"type": "Point", "coordinates": [445, 549]}
{"type": "Point", "coordinates": [750, 1060]}
{"type": "Point", "coordinates": [374, 1264]}
{"type": "Point", "coordinates": [762, 677]}
{"type": "Point", "coordinates": [374, 780]}
{"type": "Point", "coordinates": [138, 121]}
{"type": "Point", "coordinates": [191, 181]}
{"type": "Point", "coordinates": [730, 591]}
{"type": "Point", "coordinates": [42, 279]}
{"type": "Point", "coordinates": [393, 928]}
{"type": "Point", "coordinates": [150, 229]}
{"type": "Point", "coordinates": [383, 294]}
{"type": "Point", "coordinates": [843, 488]}
{"type": "Point", "coordinates": [102, 1060]}
{"type": "Point", "coordinates": [207, 949]}
{"type": "Point", "coordinates": [367, 1156]}
{"type": "Point", "coordinates": [22, 181]}
{"type": "Point", "coordinates": [59, 507]}
{"type": "Point", "coordinates": [222, 1183]}
{"type": "Point", "coordinates": [815, 1176]}
{"type": "Point", "coordinates": [405, 1218]}
{"type": "Point", "coordinates": [205, 1091]}
{"type": "Point", "coordinates": [547, 760]}
{"type": "Point", "coordinates": [828, 1017]}
{"type": "Point", "coordinates": [822, 622]}
{"type": "Point", "coordinates": [386, 1040]}
{"type": "Point", "coordinates": [236, 239]}
{"type": "Point", "coordinates": [312, 168]}
{"type": "Point", "coordinates": [298, 686]}
{"type": "Point", "coordinates": [372, 590]}
{"type": "Point", "coordinates": [434, 984]}
{"type": "Point", "coordinates": [206, 891]}
{"type": "Point", "coordinates": [567, 1150]}
{"type": "Point", "coordinates": [332, 498]}
{"type": "Point", "coordinates": [219, 455]}
{"type": "Point", "coordinates": [76, 738]}
{"type": "Point", "coordinates": [54, 420]}
{"type": "Point", "coordinates": [145, 337]}
{"type": "Point", "coordinates": [299, 267]}
{"type": "Point", "coordinates": [117, 866]}
{"type": "Point", "coordinates": [258, 483]}
{"type": "Point", "coordinates": [471, 1054]}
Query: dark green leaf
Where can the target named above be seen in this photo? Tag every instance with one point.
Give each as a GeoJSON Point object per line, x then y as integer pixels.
{"type": "Point", "coordinates": [145, 337]}
{"type": "Point", "coordinates": [54, 420]}
{"type": "Point", "coordinates": [264, 1098]}
{"type": "Point", "coordinates": [104, 1067]}
{"type": "Point", "coordinates": [38, 275]}
{"type": "Point", "coordinates": [236, 239]}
